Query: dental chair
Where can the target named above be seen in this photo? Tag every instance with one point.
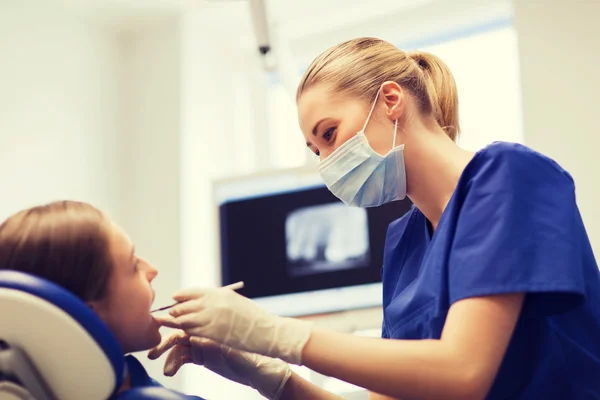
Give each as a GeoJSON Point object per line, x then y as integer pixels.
{"type": "Point", "coordinates": [54, 347]}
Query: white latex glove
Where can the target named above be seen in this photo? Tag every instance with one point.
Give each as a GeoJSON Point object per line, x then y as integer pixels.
{"type": "Point", "coordinates": [236, 321]}
{"type": "Point", "coordinates": [267, 375]}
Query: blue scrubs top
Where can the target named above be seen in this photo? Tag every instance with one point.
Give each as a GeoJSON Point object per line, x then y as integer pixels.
{"type": "Point", "coordinates": [512, 225]}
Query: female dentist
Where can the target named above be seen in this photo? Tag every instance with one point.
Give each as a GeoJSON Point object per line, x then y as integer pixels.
{"type": "Point", "coordinates": [490, 286]}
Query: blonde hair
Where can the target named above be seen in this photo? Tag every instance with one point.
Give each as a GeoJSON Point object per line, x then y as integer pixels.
{"type": "Point", "coordinates": [358, 67]}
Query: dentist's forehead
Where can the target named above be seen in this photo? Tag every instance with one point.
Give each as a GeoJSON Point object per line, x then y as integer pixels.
{"type": "Point", "coordinates": [315, 104]}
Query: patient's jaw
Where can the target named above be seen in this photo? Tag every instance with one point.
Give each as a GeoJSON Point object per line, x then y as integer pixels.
{"type": "Point", "coordinates": [126, 307]}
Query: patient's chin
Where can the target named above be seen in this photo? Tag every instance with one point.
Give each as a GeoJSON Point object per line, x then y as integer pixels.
{"type": "Point", "coordinates": [156, 336]}
{"type": "Point", "coordinates": [143, 339]}
{"type": "Point", "coordinates": [152, 337]}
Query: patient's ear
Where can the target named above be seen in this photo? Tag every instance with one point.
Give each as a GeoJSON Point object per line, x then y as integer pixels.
{"type": "Point", "coordinates": [95, 306]}
{"type": "Point", "coordinates": [99, 309]}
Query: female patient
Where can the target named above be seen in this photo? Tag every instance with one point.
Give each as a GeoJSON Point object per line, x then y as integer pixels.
{"type": "Point", "coordinates": [79, 248]}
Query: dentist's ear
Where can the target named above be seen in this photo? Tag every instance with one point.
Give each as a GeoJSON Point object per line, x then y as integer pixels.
{"type": "Point", "coordinates": [395, 100]}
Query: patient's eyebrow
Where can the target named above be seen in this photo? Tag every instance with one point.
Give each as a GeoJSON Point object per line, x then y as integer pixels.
{"type": "Point", "coordinates": [132, 257]}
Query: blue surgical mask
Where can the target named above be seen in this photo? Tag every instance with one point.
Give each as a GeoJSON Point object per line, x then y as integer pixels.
{"type": "Point", "coordinates": [361, 177]}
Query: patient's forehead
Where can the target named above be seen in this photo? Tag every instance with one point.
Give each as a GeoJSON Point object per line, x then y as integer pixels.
{"type": "Point", "coordinates": [120, 245]}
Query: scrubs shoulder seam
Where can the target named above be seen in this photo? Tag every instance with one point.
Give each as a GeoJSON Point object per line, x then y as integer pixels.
{"type": "Point", "coordinates": [520, 150]}
{"type": "Point", "coordinates": [525, 288]}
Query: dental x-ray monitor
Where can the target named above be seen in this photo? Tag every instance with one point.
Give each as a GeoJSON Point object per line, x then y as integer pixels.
{"type": "Point", "coordinates": [300, 250]}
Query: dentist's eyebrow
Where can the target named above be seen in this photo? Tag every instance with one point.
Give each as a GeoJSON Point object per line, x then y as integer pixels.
{"type": "Point", "coordinates": [314, 130]}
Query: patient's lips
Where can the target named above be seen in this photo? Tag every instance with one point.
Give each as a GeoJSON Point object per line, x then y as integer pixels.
{"type": "Point", "coordinates": [233, 286]}
{"type": "Point", "coordinates": [164, 308]}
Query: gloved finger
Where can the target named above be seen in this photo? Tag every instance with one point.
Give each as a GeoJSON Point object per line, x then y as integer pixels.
{"type": "Point", "coordinates": [191, 294]}
{"type": "Point", "coordinates": [167, 321]}
{"type": "Point", "coordinates": [180, 338]}
{"type": "Point", "coordinates": [204, 343]}
{"type": "Point", "coordinates": [211, 353]}
{"type": "Point", "coordinates": [174, 367]}
{"type": "Point", "coordinates": [186, 307]}
{"type": "Point", "coordinates": [196, 320]}
{"type": "Point", "coordinates": [163, 320]}
{"type": "Point", "coordinates": [173, 362]}
{"type": "Point", "coordinates": [178, 356]}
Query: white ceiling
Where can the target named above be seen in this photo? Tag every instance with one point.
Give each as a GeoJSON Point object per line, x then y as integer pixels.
{"type": "Point", "coordinates": [310, 26]}
{"type": "Point", "coordinates": [286, 10]}
{"type": "Point", "coordinates": [299, 17]}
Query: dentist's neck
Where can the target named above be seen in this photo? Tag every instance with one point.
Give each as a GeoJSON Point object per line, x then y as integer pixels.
{"type": "Point", "coordinates": [434, 164]}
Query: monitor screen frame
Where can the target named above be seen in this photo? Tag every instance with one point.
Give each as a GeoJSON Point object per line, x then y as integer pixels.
{"type": "Point", "coordinates": [312, 302]}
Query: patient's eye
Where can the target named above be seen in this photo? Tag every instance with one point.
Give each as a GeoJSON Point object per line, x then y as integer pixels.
{"type": "Point", "coordinates": [136, 263]}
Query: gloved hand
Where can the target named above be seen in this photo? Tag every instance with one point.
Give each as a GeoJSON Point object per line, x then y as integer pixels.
{"type": "Point", "coordinates": [236, 321]}
{"type": "Point", "coordinates": [267, 375]}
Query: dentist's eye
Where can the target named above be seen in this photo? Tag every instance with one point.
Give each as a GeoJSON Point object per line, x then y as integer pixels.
{"type": "Point", "coordinates": [328, 134]}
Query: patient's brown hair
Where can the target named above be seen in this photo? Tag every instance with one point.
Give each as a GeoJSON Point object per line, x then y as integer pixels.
{"type": "Point", "coordinates": [65, 242]}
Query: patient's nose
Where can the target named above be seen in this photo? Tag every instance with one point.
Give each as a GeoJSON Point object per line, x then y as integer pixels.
{"type": "Point", "coordinates": [151, 272]}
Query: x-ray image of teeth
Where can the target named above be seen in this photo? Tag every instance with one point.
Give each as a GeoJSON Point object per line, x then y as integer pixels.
{"type": "Point", "coordinates": [326, 238]}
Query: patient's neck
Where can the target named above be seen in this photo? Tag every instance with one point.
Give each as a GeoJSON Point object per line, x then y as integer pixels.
{"type": "Point", "coordinates": [126, 385]}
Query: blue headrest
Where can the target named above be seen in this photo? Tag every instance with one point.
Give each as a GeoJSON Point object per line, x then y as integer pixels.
{"type": "Point", "coordinates": [13, 284]}
{"type": "Point", "coordinates": [153, 393]}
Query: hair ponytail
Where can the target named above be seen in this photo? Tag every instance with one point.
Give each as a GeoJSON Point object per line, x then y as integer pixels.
{"type": "Point", "coordinates": [441, 87]}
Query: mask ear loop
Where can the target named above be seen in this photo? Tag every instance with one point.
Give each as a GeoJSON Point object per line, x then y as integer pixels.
{"type": "Point", "coordinates": [370, 112]}
{"type": "Point", "coordinates": [369, 118]}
